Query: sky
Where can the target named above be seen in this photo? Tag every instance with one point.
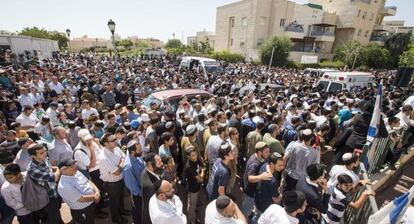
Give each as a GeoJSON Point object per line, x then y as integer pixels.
{"type": "Point", "coordinates": [142, 18]}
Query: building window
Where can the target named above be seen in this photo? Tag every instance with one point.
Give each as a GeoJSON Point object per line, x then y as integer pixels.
{"type": "Point", "coordinates": [231, 41]}
{"type": "Point", "coordinates": [282, 22]}
{"type": "Point", "coordinates": [359, 32]}
{"type": "Point", "coordinates": [231, 21]}
{"type": "Point", "coordinates": [364, 15]}
{"type": "Point", "coordinates": [372, 17]}
{"type": "Point", "coordinates": [263, 20]}
{"type": "Point", "coordinates": [259, 42]}
{"type": "Point", "coordinates": [359, 13]}
{"type": "Point", "coordinates": [366, 33]}
{"type": "Point", "coordinates": [241, 43]}
{"type": "Point", "coordinates": [244, 21]}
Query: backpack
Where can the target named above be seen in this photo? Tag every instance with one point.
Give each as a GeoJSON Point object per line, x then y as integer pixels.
{"type": "Point", "coordinates": [77, 149]}
{"type": "Point", "coordinates": [35, 196]}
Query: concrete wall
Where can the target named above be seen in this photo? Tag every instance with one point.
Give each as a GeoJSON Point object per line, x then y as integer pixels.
{"type": "Point", "coordinates": [19, 44]}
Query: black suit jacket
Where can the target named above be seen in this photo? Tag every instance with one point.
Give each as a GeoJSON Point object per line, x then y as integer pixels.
{"type": "Point", "coordinates": [147, 183]}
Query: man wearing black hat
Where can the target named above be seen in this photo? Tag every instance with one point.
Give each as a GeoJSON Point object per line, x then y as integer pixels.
{"type": "Point", "coordinates": [224, 210]}
{"type": "Point", "coordinates": [151, 173]}
{"type": "Point", "coordinates": [164, 206]}
{"type": "Point", "coordinates": [79, 193]}
{"type": "Point", "coordinates": [294, 203]}
{"type": "Point", "coordinates": [315, 187]}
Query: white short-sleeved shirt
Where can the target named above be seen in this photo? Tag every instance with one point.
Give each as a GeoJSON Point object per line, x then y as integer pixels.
{"type": "Point", "coordinates": [214, 217]}
{"type": "Point", "coordinates": [57, 87]}
{"type": "Point", "coordinates": [276, 214]}
{"type": "Point", "coordinates": [24, 120]}
{"type": "Point", "coordinates": [335, 172]}
{"type": "Point", "coordinates": [108, 163]}
{"type": "Point", "coordinates": [86, 113]}
{"type": "Point", "coordinates": [84, 158]}
{"type": "Point", "coordinates": [170, 212]}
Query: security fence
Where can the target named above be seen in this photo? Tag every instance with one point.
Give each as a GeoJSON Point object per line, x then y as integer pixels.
{"type": "Point", "coordinates": [375, 152]}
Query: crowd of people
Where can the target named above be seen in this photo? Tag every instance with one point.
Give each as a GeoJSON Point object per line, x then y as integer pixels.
{"type": "Point", "coordinates": [75, 129]}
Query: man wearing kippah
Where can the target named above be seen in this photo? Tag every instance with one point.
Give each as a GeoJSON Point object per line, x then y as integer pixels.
{"type": "Point", "coordinates": [164, 206]}
{"type": "Point", "coordinates": [294, 204]}
{"type": "Point", "coordinates": [223, 210]}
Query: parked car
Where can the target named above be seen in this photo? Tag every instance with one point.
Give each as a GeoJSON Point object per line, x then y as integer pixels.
{"type": "Point", "coordinates": [174, 96]}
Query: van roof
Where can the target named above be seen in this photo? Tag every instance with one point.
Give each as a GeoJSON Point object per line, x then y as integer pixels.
{"type": "Point", "coordinates": [348, 74]}
{"type": "Point", "coordinates": [198, 58]}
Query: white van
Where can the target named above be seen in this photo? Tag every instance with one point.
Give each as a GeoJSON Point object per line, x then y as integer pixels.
{"type": "Point", "coordinates": [317, 72]}
{"type": "Point", "coordinates": [206, 64]}
{"type": "Point", "coordinates": [336, 81]}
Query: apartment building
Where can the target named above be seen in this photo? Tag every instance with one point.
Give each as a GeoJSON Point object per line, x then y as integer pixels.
{"type": "Point", "coordinates": [359, 20]}
{"type": "Point", "coordinates": [397, 26]}
{"type": "Point", "coordinates": [154, 43]}
{"type": "Point", "coordinates": [314, 29]}
{"type": "Point", "coordinates": [243, 26]}
{"type": "Point", "coordinates": [80, 43]}
{"type": "Point", "coordinates": [202, 36]}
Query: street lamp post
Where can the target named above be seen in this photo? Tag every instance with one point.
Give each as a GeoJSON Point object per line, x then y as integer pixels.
{"type": "Point", "coordinates": [68, 33]}
{"type": "Point", "coordinates": [271, 57]}
{"type": "Point", "coordinates": [111, 26]}
{"type": "Point", "coordinates": [356, 56]}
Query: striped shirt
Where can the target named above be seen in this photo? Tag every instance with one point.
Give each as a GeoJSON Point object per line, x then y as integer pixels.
{"type": "Point", "coordinates": [337, 203]}
{"type": "Point", "coordinates": [72, 188]}
{"type": "Point", "coordinates": [108, 163]}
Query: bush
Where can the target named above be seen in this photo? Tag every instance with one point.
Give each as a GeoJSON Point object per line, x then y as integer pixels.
{"type": "Point", "coordinates": [407, 57]}
{"type": "Point", "coordinates": [228, 57]}
{"type": "Point", "coordinates": [294, 65]}
{"type": "Point", "coordinates": [332, 64]}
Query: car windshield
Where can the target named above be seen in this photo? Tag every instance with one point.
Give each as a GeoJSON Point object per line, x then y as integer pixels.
{"type": "Point", "coordinates": [335, 87]}
{"type": "Point", "coordinates": [147, 101]}
{"type": "Point", "coordinates": [323, 85]}
{"type": "Point", "coordinates": [212, 69]}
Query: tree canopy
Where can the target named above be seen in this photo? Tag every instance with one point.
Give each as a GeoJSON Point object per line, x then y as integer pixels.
{"type": "Point", "coordinates": [44, 34]}
{"type": "Point", "coordinates": [407, 57]}
{"type": "Point", "coordinates": [173, 43]}
{"type": "Point", "coordinates": [282, 45]}
{"type": "Point", "coordinates": [396, 45]}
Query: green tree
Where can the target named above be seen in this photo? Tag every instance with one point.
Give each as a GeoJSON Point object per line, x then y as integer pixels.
{"type": "Point", "coordinates": [228, 57]}
{"type": "Point", "coordinates": [127, 44]}
{"type": "Point", "coordinates": [282, 45]}
{"type": "Point", "coordinates": [347, 53]}
{"type": "Point", "coordinates": [44, 34]}
{"type": "Point", "coordinates": [35, 32]}
{"type": "Point", "coordinates": [374, 56]}
{"type": "Point", "coordinates": [173, 43]}
{"type": "Point", "coordinates": [407, 57]}
{"type": "Point", "coordinates": [396, 45]}
{"type": "Point", "coordinates": [61, 39]}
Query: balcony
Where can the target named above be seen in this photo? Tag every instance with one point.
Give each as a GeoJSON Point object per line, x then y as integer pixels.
{"type": "Point", "coordinates": [323, 36]}
{"type": "Point", "coordinates": [382, 27]}
{"type": "Point", "coordinates": [296, 31]}
{"type": "Point", "coordinates": [389, 11]}
{"type": "Point", "coordinates": [378, 39]}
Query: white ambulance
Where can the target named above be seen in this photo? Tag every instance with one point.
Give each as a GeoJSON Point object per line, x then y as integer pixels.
{"type": "Point", "coordinates": [206, 65]}
{"type": "Point", "coordinates": [317, 72]}
{"type": "Point", "coordinates": [337, 81]}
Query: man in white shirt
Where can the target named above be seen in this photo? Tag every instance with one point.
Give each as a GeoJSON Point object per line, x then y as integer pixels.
{"type": "Point", "coordinates": [110, 162]}
{"type": "Point", "coordinates": [295, 204]}
{"type": "Point", "coordinates": [88, 110]}
{"type": "Point", "coordinates": [224, 211]}
{"type": "Point", "coordinates": [164, 206]}
{"type": "Point", "coordinates": [25, 99]}
{"type": "Point", "coordinates": [56, 85]}
{"type": "Point", "coordinates": [27, 119]}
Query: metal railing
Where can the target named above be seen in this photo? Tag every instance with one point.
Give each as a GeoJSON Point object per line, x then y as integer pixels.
{"type": "Point", "coordinates": [377, 151]}
{"type": "Point", "coordinates": [321, 33]}
{"type": "Point", "coordinates": [378, 38]}
{"type": "Point", "coordinates": [298, 29]}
